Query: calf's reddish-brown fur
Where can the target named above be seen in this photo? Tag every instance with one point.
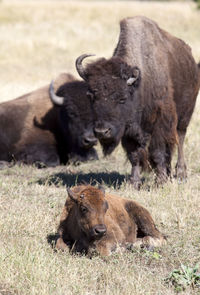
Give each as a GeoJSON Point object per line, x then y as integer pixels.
{"type": "Point", "coordinates": [92, 219]}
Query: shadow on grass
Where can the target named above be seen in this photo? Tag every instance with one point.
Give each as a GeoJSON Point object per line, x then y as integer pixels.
{"type": "Point", "coordinates": [52, 239]}
{"type": "Point", "coordinates": [113, 179]}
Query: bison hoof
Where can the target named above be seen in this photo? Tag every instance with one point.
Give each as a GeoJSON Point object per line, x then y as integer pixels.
{"type": "Point", "coordinates": [136, 183]}
{"type": "Point", "coordinates": [181, 174]}
{"type": "Point", "coordinates": [161, 180]}
{"type": "Point", "coordinates": [5, 164]}
{"type": "Point", "coordinates": [60, 245]}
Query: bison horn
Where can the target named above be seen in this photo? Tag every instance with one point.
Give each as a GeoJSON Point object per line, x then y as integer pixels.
{"type": "Point", "coordinates": [79, 66]}
{"type": "Point", "coordinates": [57, 100]}
{"type": "Point", "coordinates": [72, 195]}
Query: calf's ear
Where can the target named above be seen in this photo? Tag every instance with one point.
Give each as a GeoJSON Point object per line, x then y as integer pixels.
{"type": "Point", "coordinates": [101, 188]}
{"type": "Point", "coordinates": [72, 195]}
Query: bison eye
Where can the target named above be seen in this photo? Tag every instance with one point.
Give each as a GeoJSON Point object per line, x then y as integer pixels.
{"type": "Point", "coordinates": [83, 209]}
{"type": "Point", "coordinates": [122, 100]}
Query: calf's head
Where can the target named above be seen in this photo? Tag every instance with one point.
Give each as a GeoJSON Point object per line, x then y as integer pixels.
{"type": "Point", "coordinates": [75, 118]}
{"type": "Point", "coordinates": [90, 209]}
{"type": "Point", "coordinates": [112, 87]}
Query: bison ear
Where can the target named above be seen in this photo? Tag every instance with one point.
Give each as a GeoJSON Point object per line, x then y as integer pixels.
{"type": "Point", "coordinates": [72, 195]}
{"type": "Point", "coordinates": [134, 77]}
{"type": "Point", "coordinates": [130, 74]}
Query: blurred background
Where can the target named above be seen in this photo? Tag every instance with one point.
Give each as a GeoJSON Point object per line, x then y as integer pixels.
{"type": "Point", "coordinates": [39, 39]}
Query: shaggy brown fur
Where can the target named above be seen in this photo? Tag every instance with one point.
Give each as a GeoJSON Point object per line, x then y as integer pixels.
{"type": "Point", "coordinates": [34, 130]}
{"type": "Point", "coordinates": [144, 96]}
{"type": "Point", "coordinates": [92, 219]}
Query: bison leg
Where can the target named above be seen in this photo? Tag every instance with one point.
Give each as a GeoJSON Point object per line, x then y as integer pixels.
{"type": "Point", "coordinates": [60, 244]}
{"type": "Point", "coordinates": [135, 178]}
{"type": "Point", "coordinates": [83, 156]}
{"type": "Point", "coordinates": [181, 170]}
{"type": "Point", "coordinates": [107, 245]}
{"type": "Point", "coordinates": [147, 233]}
{"type": "Point", "coordinates": [150, 242]}
{"type": "Point", "coordinates": [158, 159]}
{"type": "Point", "coordinates": [136, 152]}
{"type": "Point", "coordinates": [104, 250]}
{"type": "Point", "coordinates": [38, 150]}
{"type": "Point", "coordinates": [5, 164]}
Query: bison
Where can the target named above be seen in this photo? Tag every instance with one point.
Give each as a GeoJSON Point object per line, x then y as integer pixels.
{"type": "Point", "coordinates": [46, 129]}
{"type": "Point", "coordinates": [144, 95]}
{"type": "Point", "coordinates": [94, 220]}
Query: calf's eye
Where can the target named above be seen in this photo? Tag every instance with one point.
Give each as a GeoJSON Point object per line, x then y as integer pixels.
{"type": "Point", "coordinates": [83, 209]}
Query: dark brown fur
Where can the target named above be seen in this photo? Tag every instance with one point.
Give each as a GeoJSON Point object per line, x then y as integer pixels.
{"type": "Point", "coordinates": [92, 219]}
{"type": "Point", "coordinates": [33, 130]}
{"type": "Point", "coordinates": [150, 115]}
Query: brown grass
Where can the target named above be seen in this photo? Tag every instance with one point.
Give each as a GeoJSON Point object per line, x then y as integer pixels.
{"type": "Point", "coordinates": [40, 39]}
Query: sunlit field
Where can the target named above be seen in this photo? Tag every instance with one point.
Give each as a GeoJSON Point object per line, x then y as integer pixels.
{"type": "Point", "coordinates": [39, 40]}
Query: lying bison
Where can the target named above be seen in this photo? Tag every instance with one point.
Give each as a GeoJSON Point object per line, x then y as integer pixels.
{"type": "Point", "coordinates": [144, 96]}
{"type": "Point", "coordinates": [92, 219]}
{"type": "Point", "coordinates": [37, 129]}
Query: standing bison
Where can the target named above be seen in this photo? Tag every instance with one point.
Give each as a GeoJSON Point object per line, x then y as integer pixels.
{"type": "Point", "coordinates": [93, 219]}
{"type": "Point", "coordinates": [40, 130]}
{"type": "Point", "coordinates": [144, 96]}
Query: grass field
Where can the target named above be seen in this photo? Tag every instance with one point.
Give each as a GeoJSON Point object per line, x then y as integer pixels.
{"type": "Point", "coordinates": [40, 39]}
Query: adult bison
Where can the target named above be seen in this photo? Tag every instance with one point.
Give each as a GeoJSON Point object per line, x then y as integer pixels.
{"type": "Point", "coordinates": [40, 130]}
{"type": "Point", "coordinates": [144, 96]}
{"type": "Point", "coordinates": [92, 218]}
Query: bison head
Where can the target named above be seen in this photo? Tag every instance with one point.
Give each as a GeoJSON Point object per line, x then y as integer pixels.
{"type": "Point", "coordinates": [75, 119]}
{"type": "Point", "coordinates": [91, 207]}
{"type": "Point", "coordinates": [112, 89]}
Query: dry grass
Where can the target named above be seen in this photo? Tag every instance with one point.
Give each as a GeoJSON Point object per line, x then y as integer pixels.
{"type": "Point", "coordinates": [38, 41]}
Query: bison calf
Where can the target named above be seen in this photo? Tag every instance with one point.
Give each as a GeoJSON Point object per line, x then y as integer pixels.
{"type": "Point", "coordinates": [41, 127]}
{"type": "Point", "coordinates": [92, 219]}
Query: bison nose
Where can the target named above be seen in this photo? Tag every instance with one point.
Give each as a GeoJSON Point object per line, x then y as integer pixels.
{"type": "Point", "coordinates": [102, 133]}
{"type": "Point", "coordinates": [100, 230]}
{"type": "Point", "coordinates": [89, 141]}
